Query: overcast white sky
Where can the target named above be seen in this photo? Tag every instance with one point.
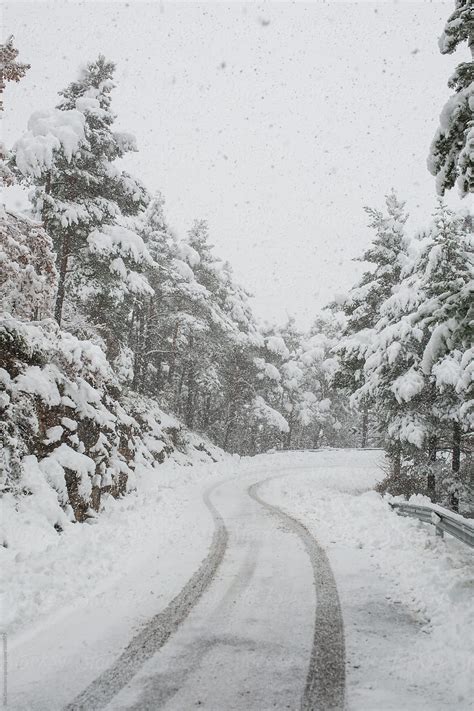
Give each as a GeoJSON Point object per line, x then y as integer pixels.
{"type": "Point", "coordinates": [277, 122]}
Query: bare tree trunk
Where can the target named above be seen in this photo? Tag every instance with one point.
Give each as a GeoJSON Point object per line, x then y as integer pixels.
{"type": "Point", "coordinates": [316, 437]}
{"type": "Point", "coordinates": [229, 427]}
{"type": "Point", "coordinates": [431, 479]}
{"type": "Point", "coordinates": [177, 394]}
{"type": "Point", "coordinates": [131, 340]}
{"type": "Point", "coordinates": [63, 267]}
{"type": "Point", "coordinates": [138, 349]}
{"type": "Point", "coordinates": [189, 418]}
{"type": "Point", "coordinates": [173, 353]}
{"type": "Point", "coordinates": [456, 465]}
{"type": "Point", "coordinates": [365, 426]}
{"type": "Point", "coordinates": [397, 461]}
{"type": "Point", "coordinates": [207, 412]}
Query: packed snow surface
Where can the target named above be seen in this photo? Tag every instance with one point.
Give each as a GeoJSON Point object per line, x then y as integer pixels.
{"type": "Point", "coordinates": [74, 600]}
{"type": "Point", "coordinates": [406, 595]}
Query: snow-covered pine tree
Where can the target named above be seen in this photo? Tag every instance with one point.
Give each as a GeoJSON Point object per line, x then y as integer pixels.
{"type": "Point", "coordinates": [81, 196]}
{"type": "Point", "coordinates": [333, 421]}
{"type": "Point", "coordinates": [10, 68]}
{"type": "Point", "coordinates": [205, 269]}
{"type": "Point", "coordinates": [459, 28]}
{"type": "Point", "coordinates": [418, 363]}
{"type": "Point", "coordinates": [451, 157]}
{"type": "Point", "coordinates": [199, 329]}
{"type": "Point", "coordinates": [387, 255]}
{"type": "Point", "coordinates": [28, 277]}
{"type": "Point", "coordinates": [229, 326]}
{"type": "Point", "coordinates": [446, 316]}
{"type": "Point", "coordinates": [154, 333]}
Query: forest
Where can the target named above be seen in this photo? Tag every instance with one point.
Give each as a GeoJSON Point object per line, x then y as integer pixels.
{"type": "Point", "coordinates": [116, 334]}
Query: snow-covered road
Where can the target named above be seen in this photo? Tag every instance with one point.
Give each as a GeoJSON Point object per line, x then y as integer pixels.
{"type": "Point", "coordinates": [247, 642]}
{"type": "Point", "coordinates": [233, 604]}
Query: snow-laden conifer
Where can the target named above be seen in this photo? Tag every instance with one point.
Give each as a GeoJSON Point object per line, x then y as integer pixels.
{"type": "Point", "coordinates": [69, 155]}
{"type": "Point", "coordinates": [451, 157]}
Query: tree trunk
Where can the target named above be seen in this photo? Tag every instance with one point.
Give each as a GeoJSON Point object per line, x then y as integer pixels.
{"type": "Point", "coordinates": [177, 394]}
{"type": "Point", "coordinates": [63, 265]}
{"type": "Point", "coordinates": [189, 414]}
{"type": "Point", "coordinates": [173, 353]}
{"type": "Point", "coordinates": [137, 361]}
{"type": "Point", "coordinates": [227, 435]}
{"type": "Point", "coordinates": [365, 426]}
{"type": "Point", "coordinates": [207, 413]}
{"type": "Point", "coordinates": [229, 427]}
{"type": "Point", "coordinates": [431, 479]}
{"type": "Point", "coordinates": [397, 461]}
{"type": "Point", "coordinates": [456, 465]}
{"type": "Point", "coordinates": [317, 434]}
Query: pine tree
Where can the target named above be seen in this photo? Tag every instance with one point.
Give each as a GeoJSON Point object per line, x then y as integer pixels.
{"type": "Point", "coordinates": [81, 195]}
{"type": "Point", "coordinates": [28, 277]}
{"type": "Point", "coordinates": [10, 68]}
{"type": "Point", "coordinates": [418, 362]}
{"type": "Point", "coordinates": [333, 421]}
{"type": "Point", "coordinates": [387, 254]}
{"type": "Point", "coordinates": [447, 315]}
{"type": "Point", "coordinates": [451, 157]}
{"type": "Point", "coordinates": [155, 332]}
{"type": "Point", "coordinates": [209, 327]}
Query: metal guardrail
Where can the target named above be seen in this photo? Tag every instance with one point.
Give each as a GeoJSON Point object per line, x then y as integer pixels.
{"type": "Point", "coordinates": [442, 519]}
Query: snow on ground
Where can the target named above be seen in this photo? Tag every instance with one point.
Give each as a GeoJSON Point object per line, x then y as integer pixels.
{"type": "Point", "coordinates": [79, 596]}
{"type": "Point", "coordinates": [407, 596]}
{"type": "Point", "coordinates": [43, 571]}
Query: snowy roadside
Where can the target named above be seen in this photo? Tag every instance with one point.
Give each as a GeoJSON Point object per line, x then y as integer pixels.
{"type": "Point", "coordinates": [44, 572]}
{"type": "Point", "coordinates": [79, 597]}
{"type": "Point", "coordinates": [407, 596]}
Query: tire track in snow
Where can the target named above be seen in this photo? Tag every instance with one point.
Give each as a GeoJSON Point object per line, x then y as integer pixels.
{"type": "Point", "coordinates": [325, 681]}
{"type": "Point", "coordinates": [156, 632]}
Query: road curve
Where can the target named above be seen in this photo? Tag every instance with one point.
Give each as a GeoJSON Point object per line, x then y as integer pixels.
{"type": "Point", "coordinates": [257, 640]}
{"type": "Point", "coordinates": [156, 632]}
{"type": "Point", "coordinates": [325, 682]}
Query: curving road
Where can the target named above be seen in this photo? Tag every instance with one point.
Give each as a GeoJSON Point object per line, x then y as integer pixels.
{"type": "Point", "coordinates": [257, 627]}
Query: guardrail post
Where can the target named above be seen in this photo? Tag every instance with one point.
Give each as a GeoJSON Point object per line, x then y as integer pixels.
{"type": "Point", "coordinates": [437, 520]}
